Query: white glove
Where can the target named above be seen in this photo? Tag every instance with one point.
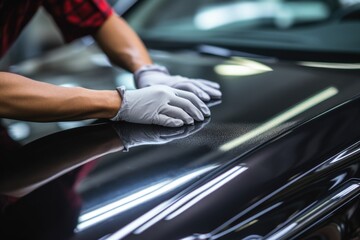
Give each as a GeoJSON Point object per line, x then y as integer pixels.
{"type": "Point", "coordinates": [150, 75]}
{"type": "Point", "coordinates": [160, 105]}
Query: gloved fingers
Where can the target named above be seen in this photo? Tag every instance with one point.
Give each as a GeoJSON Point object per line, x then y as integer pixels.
{"type": "Point", "coordinates": [195, 101]}
{"type": "Point", "coordinates": [188, 107]}
{"type": "Point", "coordinates": [198, 126]}
{"type": "Point", "coordinates": [167, 121]}
{"type": "Point", "coordinates": [178, 113]}
{"type": "Point", "coordinates": [209, 83]}
{"type": "Point", "coordinates": [190, 86]}
{"type": "Point", "coordinates": [212, 92]}
{"type": "Point", "coordinates": [192, 129]}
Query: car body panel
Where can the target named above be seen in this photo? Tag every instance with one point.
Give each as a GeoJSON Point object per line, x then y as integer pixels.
{"type": "Point", "coordinates": [263, 159]}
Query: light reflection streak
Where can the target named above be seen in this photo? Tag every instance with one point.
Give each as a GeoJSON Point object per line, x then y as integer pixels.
{"type": "Point", "coordinates": [206, 193]}
{"type": "Point", "coordinates": [168, 207]}
{"type": "Point", "coordinates": [112, 209]}
{"type": "Point", "coordinates": [348, 66]}
{"type": "Point", "coordinates": [346, 191]}
{"type": "Point", "coordinates": [318, 211]}
{"type": "Point", "coordinates": [247, 221]}
{"type": "Point", "coordinates": [120, 202]}
{"type": "Point", "coordinates": [280, 119]}
{"type": "Point", "coordinates": [344, 155]}
{"type": "Point", "coordinates": [282, 232]}
{"type": "Point", "coordinates": [188, 198]}
{"type": "Point", "coordinates": [241, 67]}
{"type": "Point", "coordinates": [138, 222]}
{"type": "Point", "coordinates": [337, 180]}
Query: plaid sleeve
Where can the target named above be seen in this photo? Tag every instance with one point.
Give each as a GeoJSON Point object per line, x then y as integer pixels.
{"type": "Point", "coordinates": [77, 18]}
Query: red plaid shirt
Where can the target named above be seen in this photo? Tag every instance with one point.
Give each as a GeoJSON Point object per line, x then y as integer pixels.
{"type": "Point", "coordinates": [75, 18]}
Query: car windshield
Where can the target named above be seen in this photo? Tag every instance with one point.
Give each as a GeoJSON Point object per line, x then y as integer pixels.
{"type": "Point", "coordinates": [311, 25]}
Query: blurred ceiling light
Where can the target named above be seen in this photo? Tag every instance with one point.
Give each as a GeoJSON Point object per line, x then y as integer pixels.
{"type": "Point", "coordinates": [125, 79]}
{"type": "Point", "coordinates": [349, 2]}
{"type": "Point", "coordinates": [19, 131]}
{"type": "Point", "coordinates": [280, 119]}
{"type": "Point", "coordinates": [283, 13]}
{"type": "Point", "coordinates": [241, 67]}
{"type": "Point", "coordinates": [100, 60]}
{"type": "Point", "coordinates": [348, 66]}
{"type": "Point", "coordinates": [217, 16]}
{"type": "Point", "coordinates": [74, 124]}
{"type": "Point", "coordinates": [69, 85]}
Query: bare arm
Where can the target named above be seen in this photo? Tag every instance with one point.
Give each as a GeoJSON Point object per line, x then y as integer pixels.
{"type": "Point", "coordinates": [26, 99]}
{"type": "Point", "coordinates": [124, 48]}
{"type": "Point", "coordinates": [121, 44]}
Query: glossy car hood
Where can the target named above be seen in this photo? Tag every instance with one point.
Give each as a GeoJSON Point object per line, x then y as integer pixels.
{"type": "Point", "coordinates": [238, 174]}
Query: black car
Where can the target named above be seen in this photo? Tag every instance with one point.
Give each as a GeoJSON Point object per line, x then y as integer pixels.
{"type": "Point", "coordinates": [278, 159]}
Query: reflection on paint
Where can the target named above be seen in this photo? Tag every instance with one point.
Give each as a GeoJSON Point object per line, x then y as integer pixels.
{"type": "Point", "coordinates": [246, 223]}
{"type": "Point", "coordinates": [192, 198]}
{"type": "Point", "coordinates": [238, 66]}
{"type": "Point", "coordinates": [282, 118]}
{"type": "Point", "coordinates": [347, 66]}
{"type": "Point", "coordinates": [207, 189]}
{"type": "Point", "coordinates": [105, 212]}
{"type": "Point", "coordinates": [170, 209]}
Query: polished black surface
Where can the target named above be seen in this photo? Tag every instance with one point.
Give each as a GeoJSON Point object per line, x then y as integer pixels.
{"type": "Point", "coordinates": [270, 139]}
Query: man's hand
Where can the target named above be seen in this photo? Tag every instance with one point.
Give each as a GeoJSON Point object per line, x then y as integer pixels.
{"type": "Point", "coordinates": [161, 105]}
{"type": "Point", "coordinates": [150, 75]}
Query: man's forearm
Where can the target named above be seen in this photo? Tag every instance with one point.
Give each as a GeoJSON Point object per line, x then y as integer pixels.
{"type": "Point", "coordinates": [122, 45]}
{"type": "Point", "coordinates": [25, 99]}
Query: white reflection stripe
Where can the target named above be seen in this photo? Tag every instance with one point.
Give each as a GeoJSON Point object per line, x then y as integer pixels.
{"type": "Point", "coordinates": [193, 195]}
{"type": "Point", "coordinates": [165, 208]}
{"type": "Point", "coordinates": [344, 155]}
{"type": "Point", "coordinates": [185, 199]}
{"type": "Point", "coordinates": [168, 186]}
{"type": "Point", "coordinates": [206, 193]}
{"type": "Point", "coordinates": [350, 66]}
{"type": "Point", "coordinates": [346, 191]}
{"type": "Point", "coordinates": [120, 202]}
{"type": "Point", "coordinates": [138, 222]}
{"type": "Point", "coordinates": [282, 232]}
{"type": "Point", "coordinates": [276, 121]}
{"type": "Point", "coordinates": [245, 222]}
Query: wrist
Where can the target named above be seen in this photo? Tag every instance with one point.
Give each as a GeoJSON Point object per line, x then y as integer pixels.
{"type": "Point", "coordinates": [85, 103]}
{"type": "Point", "coordinates": [120, 92]}
{"type": "Point", "coordinates": [109, 102]}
